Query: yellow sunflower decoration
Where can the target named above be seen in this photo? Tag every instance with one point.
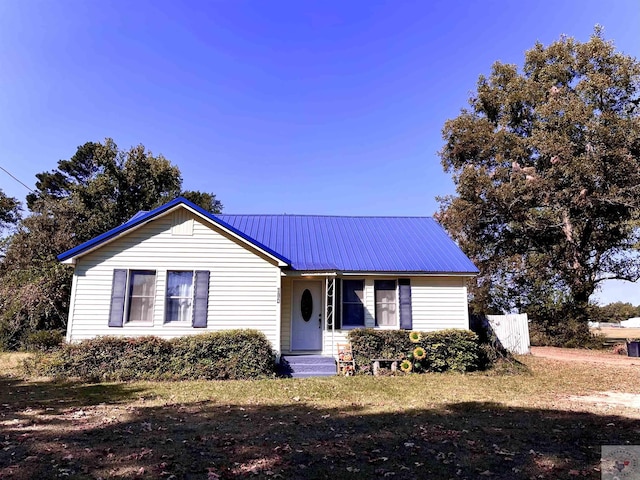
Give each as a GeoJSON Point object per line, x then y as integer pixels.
{"type": "Point", "coordinates": [406, 366]}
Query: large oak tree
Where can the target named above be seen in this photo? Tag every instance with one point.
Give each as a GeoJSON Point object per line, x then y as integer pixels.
{"type": "Point", "coordinates": [98, 188]}
{"type": "Point", "coordinates": [546, 164]}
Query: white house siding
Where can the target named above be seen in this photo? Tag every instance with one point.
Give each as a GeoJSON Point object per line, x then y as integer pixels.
{"type": "Point", "coordinates": [72, 305]}
{"type": "Point", "coordinates": [332, 339]}
{"type": "Point", "coordinates": [437, 303]}
{"type": "Point", "coordinates": [369, 303]}
{"type": "Point", "coordinates": [285, 324]}
{"type": "Point", "coordinates": [242, 291]}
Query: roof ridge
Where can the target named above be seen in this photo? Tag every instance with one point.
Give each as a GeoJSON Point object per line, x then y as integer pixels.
{"type": "Point", "coordinates": [318, 215]}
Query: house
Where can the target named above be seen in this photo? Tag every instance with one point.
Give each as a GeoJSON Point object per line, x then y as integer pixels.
{"type": "Point", "coordinates": [633, 322]}
{"type": "Point", "coordinates": [302, 280]}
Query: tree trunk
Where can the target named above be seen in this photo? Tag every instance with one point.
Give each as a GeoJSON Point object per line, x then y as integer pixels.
{"type": "Point", "coordinates": [581, 294]}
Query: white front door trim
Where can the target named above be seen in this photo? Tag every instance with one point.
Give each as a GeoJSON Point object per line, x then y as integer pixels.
{"type": "Point", "coordinates": [307, 336]}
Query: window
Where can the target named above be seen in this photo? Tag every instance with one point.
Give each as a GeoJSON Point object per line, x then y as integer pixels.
{"type": "Point", "coordinates": [133, 295]}
{"type": "Point", "coordinates": [179, 305]}
{"type": "Point", "coordinates": [352, 303]}
{"type": "Point", "coordinates": [386, 303]}
{"type": "Point", "coordinates": [141, 293]}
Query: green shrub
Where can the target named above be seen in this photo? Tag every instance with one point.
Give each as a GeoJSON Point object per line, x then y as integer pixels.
{"type": "Point", "coordinates": [44, 340]}
{"type": "Point", "coordinates": [234, 354]}
{"type": "Point", "coordinates": [457, 350]}
{"type": "Point", "coordinates": [230, 354]}
{"type": "Point", "coordinates": [108, 358]}
{"type": "Point", "coordinates": [566, 334]}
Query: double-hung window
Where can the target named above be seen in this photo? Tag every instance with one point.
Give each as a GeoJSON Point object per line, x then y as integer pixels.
{"type": "Point", "coordinates": [133, 294]}
{"type": "Point", "coordinates": [179, 300]}
{"type": "Point", "coordinates": [386, 303]}
{"type": "Point", "coordinates": [141, 294]}
{"type": "Point", "coordinates": [352, 303]}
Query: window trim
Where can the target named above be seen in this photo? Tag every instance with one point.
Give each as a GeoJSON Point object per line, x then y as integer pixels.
{"type": "Point", "coordinates": [362, 303]}
{"type": "Point", "coordinates": [396, 325]}
{"type": "Point", "coordinates": [189, 321]}
{"type": "Point", "coordinates": [129, 293]}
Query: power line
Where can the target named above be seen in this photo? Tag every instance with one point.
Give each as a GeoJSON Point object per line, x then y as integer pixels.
{"type": "Point", "coordinates": [16, 179]}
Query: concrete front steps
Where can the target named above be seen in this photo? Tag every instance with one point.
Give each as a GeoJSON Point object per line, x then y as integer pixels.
{"type": "Point", "coordinates": [300, 366]}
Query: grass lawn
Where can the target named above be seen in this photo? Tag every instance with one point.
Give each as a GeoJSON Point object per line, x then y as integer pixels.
{"type": "Point", "coordinates": [524, 425]}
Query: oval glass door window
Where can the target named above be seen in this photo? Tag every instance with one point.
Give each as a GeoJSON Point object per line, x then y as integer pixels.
{"type": "Point", "coordinates": [306, 305]}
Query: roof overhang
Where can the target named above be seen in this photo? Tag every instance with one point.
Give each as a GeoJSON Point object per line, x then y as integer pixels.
{"type": "Point", "coordinates": [411, 274]}
{"type": "Point", "coordinates": [314, 273]}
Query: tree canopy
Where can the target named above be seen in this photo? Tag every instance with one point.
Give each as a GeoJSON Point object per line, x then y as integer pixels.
{"type": "Point", "coordinates": [546, 165]}
{"type": "Point", "coordinates": [614, 312]}
{"type": "Point", "coordinates": [9, 210]}
{"type": "Point", "coordinates": [98, 188]}
{"type": "Point", "coordinates": [103, 186]}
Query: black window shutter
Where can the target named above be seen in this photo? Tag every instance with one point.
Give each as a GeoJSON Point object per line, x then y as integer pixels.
{"type": "Point", "coordinates": [337, 315]}
{"type": "Point", "coordinates": [200, 299]}
{"type": "Point", "coordinates": [406, 317]}
{"type": "Point", "coordinates": [118, 293]}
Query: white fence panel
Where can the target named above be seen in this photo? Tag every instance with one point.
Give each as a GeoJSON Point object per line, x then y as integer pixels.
{"type": "Point", "coordinates": [512, 331]}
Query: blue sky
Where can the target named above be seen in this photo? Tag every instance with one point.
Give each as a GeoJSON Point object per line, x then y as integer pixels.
{"type": "Point", "coordinates": [327, 107]}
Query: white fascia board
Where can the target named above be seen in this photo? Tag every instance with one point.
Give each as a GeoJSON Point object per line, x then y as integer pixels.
{"type": "Point", "coordinates": [298, 273]}
{"type": "Point", "coordinates": [407, 274]}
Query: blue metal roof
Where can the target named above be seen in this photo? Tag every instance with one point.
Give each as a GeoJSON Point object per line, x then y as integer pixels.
{"type": "Point", "coordinates": [321, 243]}
{"type": "Point", "coordinates": [357, 244]}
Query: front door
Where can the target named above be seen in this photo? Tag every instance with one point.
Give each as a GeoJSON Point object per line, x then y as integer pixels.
{"type": "Point", "coordinates": [306, 316]}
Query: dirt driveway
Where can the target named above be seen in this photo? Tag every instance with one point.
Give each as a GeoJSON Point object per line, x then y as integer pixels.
{"type": "Point", "coordinates": [605, 401]}
{"type": "Point", "coordinates": [588, 356]}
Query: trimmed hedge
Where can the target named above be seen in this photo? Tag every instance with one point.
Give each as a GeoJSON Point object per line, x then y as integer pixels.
{"type": "Point", "coordinates": [453, 349]}
{"type": "Point", "coordinates": [230, 354]}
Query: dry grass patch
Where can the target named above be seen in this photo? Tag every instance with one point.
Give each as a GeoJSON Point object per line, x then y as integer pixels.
{"type": "Point", "coordinates": [610, 332]}
{"type": "Point", "coordinates": [11, 363]}
{"type": "Point", "coordinates": [418, 426]}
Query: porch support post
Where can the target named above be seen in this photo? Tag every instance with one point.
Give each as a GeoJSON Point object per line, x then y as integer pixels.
{"type": "Point", "coordinates": [333, 315]}
{"type": "Point", "coordinates": [330, 308]}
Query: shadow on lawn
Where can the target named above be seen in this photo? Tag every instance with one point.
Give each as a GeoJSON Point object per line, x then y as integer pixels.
{"type": "Point", "coordinates": [54, 396]}
{"type": "Point", "coordinates": [210, 441]}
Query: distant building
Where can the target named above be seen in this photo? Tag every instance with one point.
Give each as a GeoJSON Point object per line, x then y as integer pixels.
{"type": "Point", "coordinates": [631, 323]}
